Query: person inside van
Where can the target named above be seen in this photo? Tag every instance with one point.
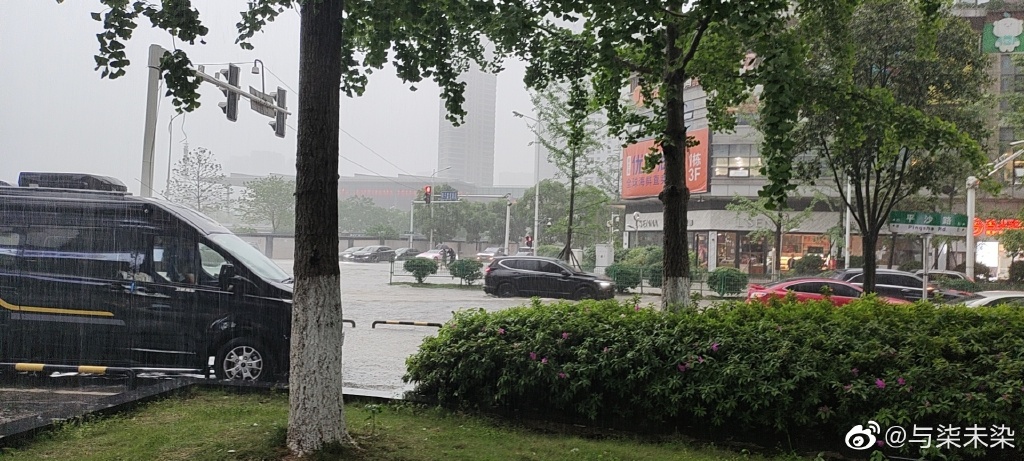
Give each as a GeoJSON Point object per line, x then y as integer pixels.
{"type": "Point", "coordinates": [181, 261]}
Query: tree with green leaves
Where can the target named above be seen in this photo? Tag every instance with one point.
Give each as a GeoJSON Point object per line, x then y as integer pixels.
{"type": "Point", "coordinates": [269, 200]}
{"type": "Point", "coordinates": [889, 107]}
{"type": "Point", "coordinates": [383, 232]}
{"type": "Point", "coordinates": [554, 206]}
{"type": "Point", "coordinates": [440, 219]}
{"type": "Point", "coordinates": [570, 131]}
{"type": "Point", "coordinates": [358, 214]}
{"type": "Point", "coordinates": [660, 47]}
{"type": "Point", "coordinates": [197, 181]}
{"type": "Point", "coordinates": [781, 218]}
{"type": "Point", "coordinates": [340, 44]}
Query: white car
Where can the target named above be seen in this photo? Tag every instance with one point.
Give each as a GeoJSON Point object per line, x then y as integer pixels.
{"type": "Point", "coordinates": [993, 298]}
{"type": "Point", "coordinates": [935, 275]}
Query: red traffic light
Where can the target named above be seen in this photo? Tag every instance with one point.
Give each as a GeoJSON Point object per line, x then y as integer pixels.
{"type": "Point", "coordinates": [428, 193]}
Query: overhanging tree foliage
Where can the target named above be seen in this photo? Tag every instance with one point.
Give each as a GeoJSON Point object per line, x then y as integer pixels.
{"type": "Point", "coordinates": [889, 107]}
{"type": "Point", "coordinates": [340, 43]}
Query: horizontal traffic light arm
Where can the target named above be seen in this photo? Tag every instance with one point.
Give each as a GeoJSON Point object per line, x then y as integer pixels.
{"type": "Point", "coordinates": [234, 89]}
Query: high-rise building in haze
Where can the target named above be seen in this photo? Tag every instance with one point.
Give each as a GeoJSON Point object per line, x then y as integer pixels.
{"type": "Point", "coordinates": [466, 152]}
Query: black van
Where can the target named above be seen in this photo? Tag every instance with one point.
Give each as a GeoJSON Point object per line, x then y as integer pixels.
{"type": "Point", "coordinates": [91, 275]}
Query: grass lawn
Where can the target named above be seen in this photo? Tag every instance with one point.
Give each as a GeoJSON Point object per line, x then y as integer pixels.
{"type": "Point", "coordinates": [215, 425]}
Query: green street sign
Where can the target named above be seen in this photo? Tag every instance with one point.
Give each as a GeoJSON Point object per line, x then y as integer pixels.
{"type": "Point", "coordinates": [913, 222]}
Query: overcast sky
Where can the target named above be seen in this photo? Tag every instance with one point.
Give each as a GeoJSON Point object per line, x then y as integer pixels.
{"type": "Point", "coordinates": [58, 115]}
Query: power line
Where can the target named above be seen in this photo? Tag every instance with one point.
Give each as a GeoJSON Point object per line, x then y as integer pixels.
{"type": "Point", "coordinates": [374, 173]}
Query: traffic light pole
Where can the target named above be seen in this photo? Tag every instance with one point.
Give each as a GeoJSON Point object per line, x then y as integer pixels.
{"type": "Point", "coordinates": [156, 52]}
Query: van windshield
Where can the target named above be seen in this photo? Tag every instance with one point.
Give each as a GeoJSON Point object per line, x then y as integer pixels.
{"type": "Point", "coordinates": [253, 259]}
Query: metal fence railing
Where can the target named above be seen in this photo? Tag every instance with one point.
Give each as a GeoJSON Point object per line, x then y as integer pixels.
{"type": "Point", "coordinates": [398, 270]}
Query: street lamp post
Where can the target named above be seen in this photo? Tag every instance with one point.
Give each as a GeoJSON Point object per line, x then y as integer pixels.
{"type": "Point", "coordinates": [258, 70]}
{"type": "Point", "coordinates": [972, 194]}
{"type": "Point", "coordinates": [536, 176]}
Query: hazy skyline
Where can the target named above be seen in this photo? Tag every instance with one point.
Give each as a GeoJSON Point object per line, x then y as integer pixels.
{"type": "Point", "coordinates": [61, 116]}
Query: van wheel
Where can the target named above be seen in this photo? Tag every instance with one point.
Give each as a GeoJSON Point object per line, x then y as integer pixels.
{"type": "Point", "coordinates": [243, 359]}
{"type": "Point", "coordinates": [505, 290]}
{"type": "Point", "coordinates": [584, 293]}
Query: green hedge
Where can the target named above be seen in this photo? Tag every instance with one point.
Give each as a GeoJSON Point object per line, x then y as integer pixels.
{"type": "Point", "coordinates": [625, 276]}
{"type": "Point", "coordinates": [420, 268]}
{"type": "Point", "coordinates": [727, 281]}
{"type": "Point", "coordinates": [808, 371]}
{"type": "Point", "coordinates": [467, 270]}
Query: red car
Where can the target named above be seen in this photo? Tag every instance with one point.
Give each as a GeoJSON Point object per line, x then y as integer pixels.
{"type": "Point", "coordinates": [809, 289]}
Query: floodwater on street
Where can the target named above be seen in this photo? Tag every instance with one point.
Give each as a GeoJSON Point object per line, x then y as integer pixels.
{"type": "Point", "coordinates": [374, 359]}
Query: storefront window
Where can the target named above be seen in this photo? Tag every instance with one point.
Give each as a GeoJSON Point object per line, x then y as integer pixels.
{"type": "Point", "coordinates": [726, 254]}
{"type": "Point", "coordinates": [700, 245]}
{"type": "Point", "coordinates": [753, 254]}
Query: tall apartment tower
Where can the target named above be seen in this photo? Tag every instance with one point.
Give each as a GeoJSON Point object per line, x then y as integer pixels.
{"type": "Point", "coordinates": [466, 152]}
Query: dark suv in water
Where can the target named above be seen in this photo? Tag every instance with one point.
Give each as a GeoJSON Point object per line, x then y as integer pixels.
{"type": "Point", "coordinates": [546, 277]}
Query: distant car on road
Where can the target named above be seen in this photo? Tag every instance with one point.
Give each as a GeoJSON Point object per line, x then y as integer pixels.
{"type": "Point", "coordinates": [525, 252]}
{"type": "Point", "coordinates": [936, 275]}
{"type": "Point", "coordinates": [346, 255]}
{"type": "Point", "coordinates": [436, 255]}
{"type": "Point", "coordinates": [402, 254]}
{"type": "Point", "coordinates": [894, 284]}
{"type": "Point", "coordinates": [991, 298]}
{"type": "Point", "coordinates": [509, 276]}
{"type": "Point", "coordinates": [489, 254]}
{"type": "Point", "coordinates": [373, 253]}
{"type": "Point", "coordinates": [810, 289]}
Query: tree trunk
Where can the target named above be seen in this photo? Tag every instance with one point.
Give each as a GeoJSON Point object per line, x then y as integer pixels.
{"type": "Point", "coordinates": [892, 251]}
{"type": "Point", "coordinates": [869, 244]}
{"type": "Point", "coordinates": [566, 254]}
{"type": "Point", "coordinates": [675, 196]}
{"type": "Point", "coordinates": [778, 247]}
{"type": "Point", "coordinates": [316, 416]}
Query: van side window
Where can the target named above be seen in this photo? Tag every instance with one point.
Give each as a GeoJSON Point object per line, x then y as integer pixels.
{"type": "Point", "coordinates": [211, 262]}
{"type": "Point", "coordinates": [93, 252]}
{"type": "Point", "coordinates": [9, 242]}
{"type": "Point", "coordinates": [176, 259]}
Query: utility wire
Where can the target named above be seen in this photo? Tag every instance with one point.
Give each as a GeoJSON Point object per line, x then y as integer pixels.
{"type": "Point", "coordinates": [374, 173]}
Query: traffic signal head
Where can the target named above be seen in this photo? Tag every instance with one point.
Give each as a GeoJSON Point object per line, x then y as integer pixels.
{"type": "Point", "coordinates": [427, 194]}
{"type": "Point", "coordinates": [230, 107]}
{"type": "Point", "coordinates": [529, 240]}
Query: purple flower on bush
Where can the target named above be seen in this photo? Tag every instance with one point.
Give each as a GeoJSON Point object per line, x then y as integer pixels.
{"type": "Point", "coordinates": [700, 359]}
{"type": "Point", "coordinates": [562, 375]}
{"type": "Point", "coordinates": [880, 443]}
{"type": "Point", "coordinates": [714, 347]}
{"type": "Point", "coordinates": [544, 360]}
{"type": "Point", "coordinates": [855, 371]}
{"type": "Point", "coordinates": [501, 331]}
{"type": "Point", "coordinates": [848, 387]}
{"type": "Point", "coordinates": [683, 367]}
{"type": "Point", "coordinates": [880, 383]}
{"type": "Point", "coordinates": [605, 350]}
{"type": "Point", "coordinates": [636, 308]}
{"type": "Point", "coordinates": [901, 381]}
{"type": "Point", "coordinates": [565, 335]}
{"type": "Point", "coordinates": [533, 356]}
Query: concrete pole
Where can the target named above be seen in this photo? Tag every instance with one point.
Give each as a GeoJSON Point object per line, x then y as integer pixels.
{"type": "Point", "coordinates": [508, 222]}
{"type": "Point", "coordinates": [849, 219]}
{"type": "Point", "coordinates": [536, 192]}
{"type": "Point", "coordinates": [412, 206]}
{"type": "Point", "coordinates": [972, 195]}
{"type": "Point", "coordinates": [926, 245]}
{"type": "Point", "coordinates": [156, 52]}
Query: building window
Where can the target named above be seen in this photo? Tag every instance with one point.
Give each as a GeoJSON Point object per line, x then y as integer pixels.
{"type": "Point", "coordinates": [738, 167]}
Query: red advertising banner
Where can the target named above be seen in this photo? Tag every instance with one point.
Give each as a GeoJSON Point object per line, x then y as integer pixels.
{"type": "Point", "coordinates": [637, 184]}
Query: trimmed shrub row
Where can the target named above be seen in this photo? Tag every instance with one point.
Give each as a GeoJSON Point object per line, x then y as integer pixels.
{"type": "Point", "coordinates": [808, 371]}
